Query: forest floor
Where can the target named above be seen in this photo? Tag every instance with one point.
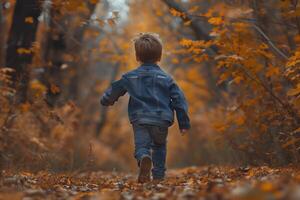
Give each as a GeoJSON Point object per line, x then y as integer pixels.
{"type": "Point", "coordinates": [212, 183]}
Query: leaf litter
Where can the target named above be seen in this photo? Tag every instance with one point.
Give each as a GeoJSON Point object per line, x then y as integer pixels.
{"type": "Point", "coordinates": [209, 182]}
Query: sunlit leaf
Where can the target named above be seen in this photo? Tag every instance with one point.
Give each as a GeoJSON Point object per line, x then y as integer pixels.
{"type": "Point", "coordinates": [29, 20]}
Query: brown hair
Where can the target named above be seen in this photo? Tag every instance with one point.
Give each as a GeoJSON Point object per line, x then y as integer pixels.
{"type": "Point", "coordinates": [148, 47]}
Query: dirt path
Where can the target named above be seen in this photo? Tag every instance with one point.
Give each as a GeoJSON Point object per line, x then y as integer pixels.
{"type": "Point", "coordinates": [188, 183]}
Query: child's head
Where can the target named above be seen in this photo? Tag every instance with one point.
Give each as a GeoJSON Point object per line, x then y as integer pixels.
{"type": "Point", "coordinates": [148, 47]}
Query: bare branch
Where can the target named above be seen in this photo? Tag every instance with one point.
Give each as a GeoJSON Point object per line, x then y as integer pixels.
{"type": "Point", "coordinates": [271, 44]}
{"type": "Point", "coordinates": [199, 31]}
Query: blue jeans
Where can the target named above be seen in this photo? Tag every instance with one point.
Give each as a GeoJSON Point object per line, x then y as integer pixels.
{"type": "Point", "coordinates": [151, 141]}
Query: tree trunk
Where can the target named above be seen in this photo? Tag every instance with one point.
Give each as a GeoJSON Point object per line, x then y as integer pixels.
{"type": "Point", "coordinates": [1, 36]}
{"type": "Point", "coordinates": [103, 113]}
{"type": "Point", "coordinates": [76, 49]}
{"type": "Point", "coordinates": [55, 46]}
{"type": "Point", "coordinates": [21, 37]}
{"type": "Point", "coordinates": [60, 42]}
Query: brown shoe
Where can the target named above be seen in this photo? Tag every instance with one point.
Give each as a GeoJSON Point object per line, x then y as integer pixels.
{"type": "Point", "coordinates": [145, 169]}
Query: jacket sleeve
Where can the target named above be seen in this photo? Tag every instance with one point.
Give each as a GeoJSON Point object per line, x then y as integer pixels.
{"type": "Point", "coordinates": [179, 104]}
{"type": "Point", "coordinates": [112, 94]}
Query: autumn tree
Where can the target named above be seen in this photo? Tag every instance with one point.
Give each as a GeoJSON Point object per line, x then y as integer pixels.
{"type": "Point", "coordinates": [20, 44]}
{"type": "Point", "coordinates": [258, 106]}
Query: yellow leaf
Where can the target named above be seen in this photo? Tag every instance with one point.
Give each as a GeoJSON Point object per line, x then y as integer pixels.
{"type": "Point", "coordinates": [94, 1]}
{"type": "Point", "coordinates": [198, 59]}
{"type": "Point", "coordinates": [177, 13]}
{"type": "Point", "coordinates": [267, 187]}
{"type": "Point", "coordinates": [37, 87]}
{"type": "Point", "coordinates": [25, 107]}
{"type": "Point", "coordinates": [54, 89]}
{"type": "Point", "coordinates": [294, 92]}
{"type": "Point", "coordinates": [216, 21]}
{"type": "Point", "coordinates": [175, 60]}
{"type": "Point", "coordinates": [29, 20]}
{"type": "Point", "coordinates": [187, 23]}
{"type": "Point", "coordinates": [238, 79]}
{"type": "Point", "coordinates": [23, 51]}
{"type": "Point", "coordinates": [284, 4]}
{"type": "Point", "coordinates": [186, 42]}
{"type": "Point", "coordinates": [264, 46]}
{"type": "Point", "coordinates": [194, 9]}
{"type": "Point", "coordinates": [158, 12]}
{"type": "Point", "coordinates": [251, 173]}
{"type": "Point", "coordinates": [272, 71]}
{"type": "Point", "coordinates": [222, 78]}
{"type": "Point", "coordinates": [297, 38]}
{"type": "Point", "coordinates": [297, 130]}
{"type": "Point", "coordinates": [290, 142]}
{"type": "Point", "coordinates": [240, 120]}
{"type": "Point", "coordinates": [220, 127]}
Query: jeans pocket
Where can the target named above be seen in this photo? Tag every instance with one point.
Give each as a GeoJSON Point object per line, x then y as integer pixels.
{"type": "Point", "coordinates": [160, 135]}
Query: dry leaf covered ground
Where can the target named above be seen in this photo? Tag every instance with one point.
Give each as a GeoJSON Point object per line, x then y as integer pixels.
{"type": "Point", "coordinates": [188, 183]}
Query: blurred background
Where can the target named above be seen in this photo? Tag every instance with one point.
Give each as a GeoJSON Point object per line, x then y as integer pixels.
{"type": "Point", "coordinates": [236, 60]}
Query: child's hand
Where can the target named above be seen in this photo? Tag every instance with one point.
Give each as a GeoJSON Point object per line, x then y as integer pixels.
{"type": "Point", "coordinates": [183, 131]}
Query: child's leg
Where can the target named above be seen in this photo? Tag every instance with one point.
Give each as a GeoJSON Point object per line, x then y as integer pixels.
{"type": "Point", "coordinates": [142, 140]}
{"type": "Point", "coordinates": [159, 151]}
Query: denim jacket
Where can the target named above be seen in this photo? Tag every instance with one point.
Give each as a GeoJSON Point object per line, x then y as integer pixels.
{"type": "Point", "coordinates": [153, 97]}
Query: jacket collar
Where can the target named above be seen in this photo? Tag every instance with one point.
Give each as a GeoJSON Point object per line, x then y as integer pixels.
{"type": "Point", "coordinates": [148, 66]}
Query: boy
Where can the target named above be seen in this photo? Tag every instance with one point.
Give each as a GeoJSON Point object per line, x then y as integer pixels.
{"type": "Point", "coordinates": [153, 98]}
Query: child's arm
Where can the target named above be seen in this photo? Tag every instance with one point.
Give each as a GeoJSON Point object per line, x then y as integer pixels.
{"type": "Point", "coordinates": [112, 94]}
{"type": "Point", "coordinates": [179, 103]}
